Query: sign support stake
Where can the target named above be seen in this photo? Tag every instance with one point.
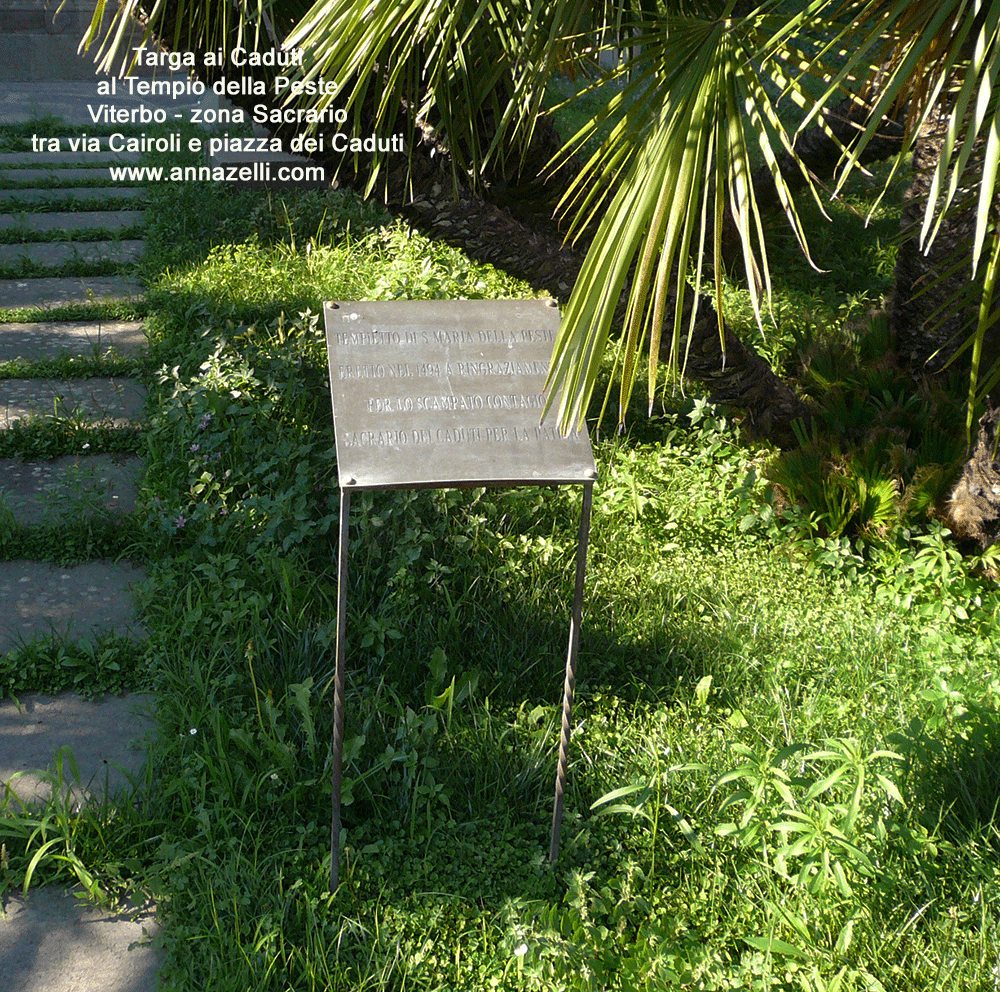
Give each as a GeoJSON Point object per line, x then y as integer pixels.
{"type": "Point", "coordinates": [336, 774]}
{"type": "Point", "coordinates": [570, 684]}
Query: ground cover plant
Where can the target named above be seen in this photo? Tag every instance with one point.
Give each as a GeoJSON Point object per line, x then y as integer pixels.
{"type": "Point", "coordinates": [96, 310]}
{"type": "Point", "coordinates": [784, 769]}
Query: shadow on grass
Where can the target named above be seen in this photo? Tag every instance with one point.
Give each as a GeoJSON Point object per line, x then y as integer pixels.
{"type": "Point", "coordinates": [956, 776]}
{"type": "Point", "coordinates": [452, 726]}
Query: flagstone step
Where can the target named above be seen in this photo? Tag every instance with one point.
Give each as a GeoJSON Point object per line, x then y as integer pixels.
{"type": "Point", "coordinates": [118, 402]}
{"type": "Point", "coordinates": [55, 253]}
{"type": "Point", "coordinates": [30, 160]}
{"type": "Point", "coordinates": [106, 737]}
{"type": "Point", "coordinates": [59, 291]}
{"type": "Point", "coordinates": [39, 41]}
{"type": "Point", "coordinates": [77, 602]}
{"type": "Point", "coordinates": [50, 941]}
{"type": "Point", "coordinates": [77, 220]}
{"type": "Point", "coordinates": [68, 489]}
{"type": "Point", "coordinates": [73, 100]}
{"type": "Point", "coordinates": [97, 174]}
{"type": "Point", "coordinates": [32, 196]}
{"type": "Point", "coordinates": [49, 339]}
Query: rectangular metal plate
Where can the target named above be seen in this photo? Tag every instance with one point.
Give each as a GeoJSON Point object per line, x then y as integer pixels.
{"type": "Point", "coordinates": [430, 393]}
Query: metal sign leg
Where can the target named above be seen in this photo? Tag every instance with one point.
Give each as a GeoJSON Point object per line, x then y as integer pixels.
{"type": "Point", "coordinates": [569, 684]}
{"type": "Point", "coordinates": [338, 691]}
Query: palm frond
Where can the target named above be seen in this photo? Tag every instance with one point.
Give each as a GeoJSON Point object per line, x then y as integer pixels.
{"type": "Point", "coordinates": [183, 26]}
{"type": "Point", "coordinates": [690, 119]}
{"type": "Point", "coordinates": [698, 87]}
{"type": "Point", "coordinates": [988, 318]}
{"type": "Point", "coordinates": [936, 57]}
{"type": "Point", "coordinates": [473, 72]}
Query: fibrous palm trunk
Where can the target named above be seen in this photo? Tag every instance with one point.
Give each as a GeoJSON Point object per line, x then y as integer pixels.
{"type": "Point", "coordinates": [933, 310]}
{"type": "Point", "coordinates": [974, 507]}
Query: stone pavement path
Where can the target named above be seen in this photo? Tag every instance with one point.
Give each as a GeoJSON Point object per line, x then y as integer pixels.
{"type": "Point", "coordinates": [48, 940]}
{"type": "Point", "coordinates": [35, 181]}
{"type": "Point", "coordinates": [106, 738]}
{"type": "Point", "coordinates": [41, 598]}
{"type": "Point", "coordinates": [51, 943]}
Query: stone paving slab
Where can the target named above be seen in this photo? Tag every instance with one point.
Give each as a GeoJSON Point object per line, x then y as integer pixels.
{"type": "Point", "coordinates": [80, 194]}
{"type": "Point", "coordinates": [53, 253]}
{"type": "Point", "coordinates": [109, 220]}
{"type": "Point", "coordinates": [70, 488]}
{"type": "Point", "coordinates": [69, 99]}
{"type": "Point", "coordinates": [40, 599]}
{"type": "Point", "coordinates": [100, 399]}
{"type": "Point", "coordinates": [49, 339]}
{"type": "Point", "coordinates": [51, 942]}
{"type": "Point", "coordinates": [40, 41]}
{"type": "Point", "coordinates": [67, 157]}
{"type": "Point", "coordinates": [57, 292]}
{"type": "Point", "coordinates": [107, 738]}
{"type": "Point", "coordinates": [97, 174]}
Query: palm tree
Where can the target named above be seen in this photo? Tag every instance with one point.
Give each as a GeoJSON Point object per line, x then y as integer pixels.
{"type": "Point", "coordinates": [696, 147]}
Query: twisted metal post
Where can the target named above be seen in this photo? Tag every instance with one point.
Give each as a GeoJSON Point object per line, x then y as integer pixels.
{"type": "Point", "coordinates": [336, 774]}
{"type": "Point", "coordinates": [570, 683]}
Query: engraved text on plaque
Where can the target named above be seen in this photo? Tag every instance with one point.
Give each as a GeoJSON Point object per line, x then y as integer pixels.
{"type": "Point", "coordinates": [447, 393]}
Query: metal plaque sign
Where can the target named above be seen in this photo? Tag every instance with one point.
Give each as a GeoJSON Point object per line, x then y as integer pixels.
{"type": "Point", "coordinates": [438, 393]}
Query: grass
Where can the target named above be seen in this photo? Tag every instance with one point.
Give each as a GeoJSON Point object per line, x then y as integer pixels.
{"type": "Point", "coordinates": [783, 769]}
{"type": "Point", "coordinates": [26, 268]}
{"type": "Point", "coordinates": [21, 236]}
{"type": "Point", "coordinates": [53, 180]}
{"type": "Point", "coordinates": [95, 310]}
{"type": "Point", "coordinates": [100, 361]}
{"type": "Point", "coordinates": [72, 204]}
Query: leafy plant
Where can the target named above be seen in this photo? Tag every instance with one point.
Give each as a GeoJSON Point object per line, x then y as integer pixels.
{"type": "Point", "coordinates": [88, 667]}
{"type": "Point", "coordinates": [51, 835]}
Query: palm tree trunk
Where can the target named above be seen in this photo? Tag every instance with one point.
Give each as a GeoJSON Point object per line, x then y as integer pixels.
{"type": "Point", "coordinates": [973, 510]}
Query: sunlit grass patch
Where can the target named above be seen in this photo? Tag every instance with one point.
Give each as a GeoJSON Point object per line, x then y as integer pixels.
{"type": "Point", "coordinates": [96, 310]}
{"type": "Point", "coordinates": [243, 280]}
